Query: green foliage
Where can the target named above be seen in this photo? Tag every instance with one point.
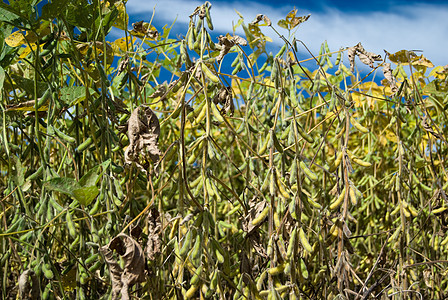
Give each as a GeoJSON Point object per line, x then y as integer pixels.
{"type": "Point", "coordinates": [273, 181]}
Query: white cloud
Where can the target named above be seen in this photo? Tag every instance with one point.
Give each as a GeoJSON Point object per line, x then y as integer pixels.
{"type": "Point", "coordinates": [412, 27]}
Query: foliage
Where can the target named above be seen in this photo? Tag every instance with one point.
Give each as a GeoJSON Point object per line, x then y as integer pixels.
{"type": "Point", "coordinates": [274, 181]}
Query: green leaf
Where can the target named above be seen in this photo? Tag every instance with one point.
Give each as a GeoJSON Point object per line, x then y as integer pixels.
{"type": "Point", "coordinates": [28, 85]}
{"type": "Point", "coordinates": [80, 14]}
{"type": "Point", "coordinates": [18, 173]}
{"type": "Point", "coordinates": [11, 14]}
{"type": "Point", "coordinates": [73, 94]}
{"type": "Point", "coordinates": [63, 185]}
{"type": "Point", "coordinates": [86, 195]}
{"type": "Point", "coordinates": [2, 77]}
{"type": "Point", "coordinates": [92, 176]}
{"type": "Point", "coordinates": [54, 9]}
{"type": "Point", "coordinates": [436, 88]}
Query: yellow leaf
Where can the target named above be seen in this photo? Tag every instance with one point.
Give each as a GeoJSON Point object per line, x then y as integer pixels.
{"type": "Point", "coordinates": [121, 22]}
{"type": "Point", "coordinates": [26, 106]}
{"type": "Point", "coordinates": [119, 45]}
{"type": "Point", "coordinates": [422, 62]}
{"type": "Point", "coordinates": [15, 39]}
{"type": "Point", "coordinates": [402, 57]}
{"type": "Point", "coordinates": [144, 30]}
{"type": "Point", "coordinates": [390, 136]}
{"type": "Point", "coordinates": [24, 53]}
{"type": "Point", "coordinates": [438, 72]}
{"type": "Point", "coordinates": [293, 20]}
{"type": "Point", "coordinates": [68, 280]}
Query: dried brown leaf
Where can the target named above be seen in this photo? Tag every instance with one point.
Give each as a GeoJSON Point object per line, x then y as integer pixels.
{"type": "Point", "coordinates": [24, 285]}
{"type": "Point", "coordinates": [351, 52]}
{"type": "Point", "coordinates": [227, 42]}
{"type": "Point", "coordinates": [224, 97]}
{"type": "Point", "coordinates": [123, 65]}
{"type": "Point", "coordinates": [134, 264]}
{"type": "Point", "coordinates": [145, 29]}
{"type": "Point", "coordinates": [160, 91]}
{"type": "Point", "coordinates": [257, 20]}
{"type": "Point", "coordinates": [153, 245]}
{"type": "Point", "coordinates": [367, 58]}
{"type": "Point", "coordinates": [255, 210]}
{"type": "Point", "coordinates": [143, 134]}
{"type": "Point", "coordinates": [260, 18]}
{"type": "Point", "coordinates": [428, 128]}
{"type": "Point", "coordinates": [387, 71]}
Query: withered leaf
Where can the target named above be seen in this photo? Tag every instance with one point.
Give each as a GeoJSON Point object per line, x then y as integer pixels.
{"type": "Point", "coordinates": [224, 97]}
{"type": "Point", "coordinates": [25, 287]}
{"type": "Point", "coordinates": [142, 29]}
{"type": "Point", "coordinates": [351, 52]}
{"type": "Point", "coordinates": [255, 210]}
{"type": "Point", "coordinates": [123, 65]}
{"type": "Point", "coordinates": [134, 264]}
{"type": "Point", "coordinates": [422, 61]}
{"type": "Point", "coordinates": [154, 231]}
{"type": "Point", "coordinates": [367, 58]}
{"type": "Point", "coordinates": [143, 134]}
{"type": "Point", "coordinates": [387, 71]}
{"type": "Point", "coordinates": [261, 17]}
{"type": "Point", "coordinates": [200, 11]}
{"type": "Point", "coordinates": [227, 42]}
{"type": "Point", "coordinates": [292, 20]}
{"type": "Point", "coordinates": [428, 128]}
{"type": "Point", "coordinates": [160, 91]}
{"type": "Point", "coordinates": [403, 57]}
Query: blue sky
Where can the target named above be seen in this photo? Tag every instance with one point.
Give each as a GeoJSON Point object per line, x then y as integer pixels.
{"type": "Point", "coordinates": [378, 25]}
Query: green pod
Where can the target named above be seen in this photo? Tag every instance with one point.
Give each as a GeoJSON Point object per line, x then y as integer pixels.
{"type": "Point", "coordinates": [235, 61]}
{"type": "Point", "coordinates": [208, 18]}
{"type": "Point", "coordinates": [46, 269]}
{"type": "Point", "coordinates": [238, 68]}
{"type": "Point", "coordinates": [282, 50]}
{"type": "Point", "coordinates": [63, 136]}
{"type": "Point", "coordinates": [45, 52]}
{"type": "Point", "coordinates": [36, 174]}
{"type": "Point", "coordinates": [338, 58]}
{"type": "Point", "coordinates": [263, 67]}
{"type": "Point", "coordinates": [83, 146]}
{"type": "Point", "coordinates": [197, 42]}
{"type": "Point", "coordinates": [103, 75]}
{"type": "Point", "coordinates": [304, 134]}
{"type": "Point", "coordinates": [96, 266]}
{"type": "Point", "coordinates": [92, 258]}
{"type": "Point", "coordinates": [96, 206]}
{"type": "Point", "coordinates": [191, 36]}
{"type": "Point", "coordinates": [70, 224]}
{"type": "Point", "coordinates": [42, 100]}
{"type": "Point", "coordinates": [186, 244]}
{"type": "Point", "coordinates": [123, 80]}
{"type": "Point", "coordinates": [327, 49]}
{"type": "Point", "coordinates": [196, 252]}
